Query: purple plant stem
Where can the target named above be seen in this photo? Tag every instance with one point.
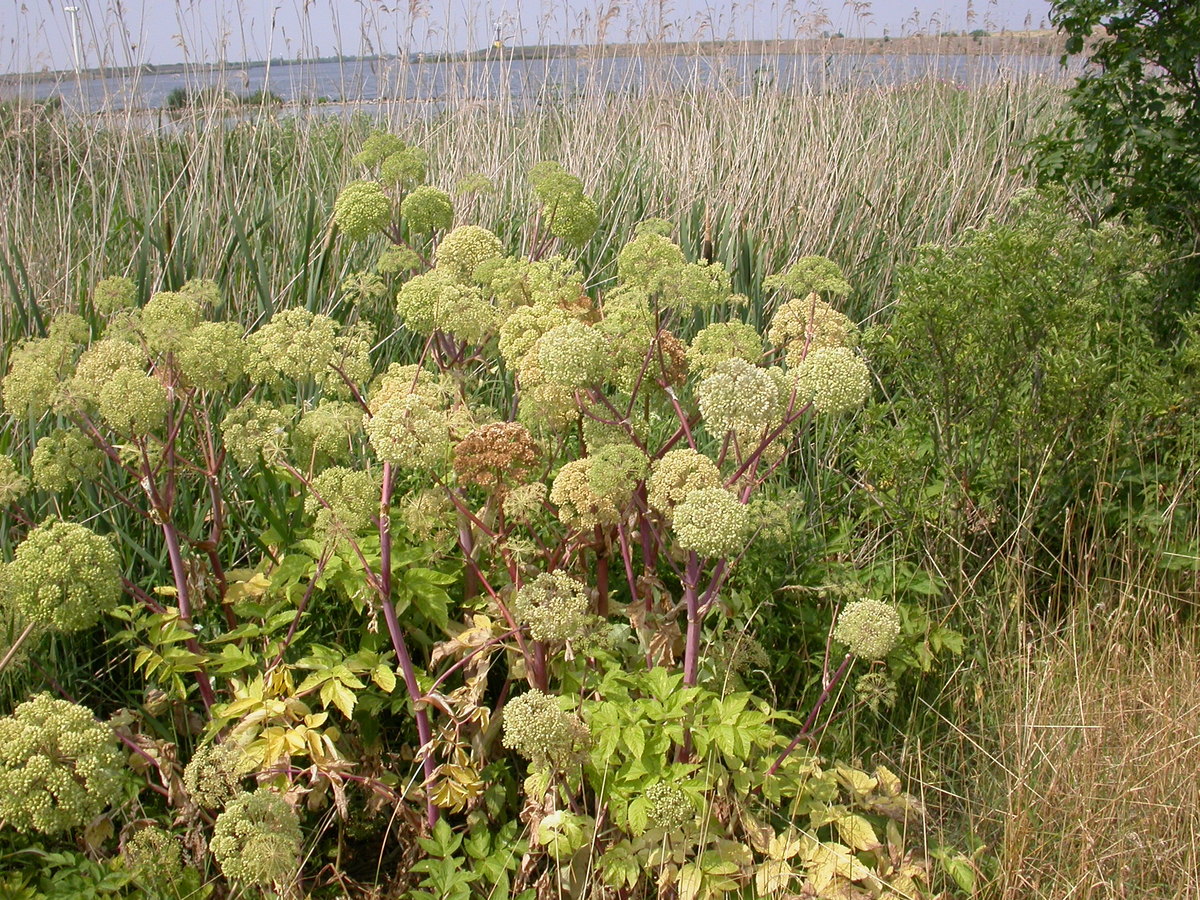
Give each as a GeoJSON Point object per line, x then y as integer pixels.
{"type": "Point", "coordinates": [424, 729]}
{"type": "Point", "coordinates": [812, 716]}
{"type": "Point", "coordinates": [691, 652]}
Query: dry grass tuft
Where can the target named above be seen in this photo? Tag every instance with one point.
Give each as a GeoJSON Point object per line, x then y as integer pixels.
{"type": "Point", "coordinates": [1100, 748]}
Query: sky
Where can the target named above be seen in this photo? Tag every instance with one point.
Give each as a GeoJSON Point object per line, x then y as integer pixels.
{"type": "Point", "coordinates": [36, 35]}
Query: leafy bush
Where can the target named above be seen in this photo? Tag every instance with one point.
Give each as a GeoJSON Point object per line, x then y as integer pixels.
{"type": "Point", "coordinates": [1019, 367]}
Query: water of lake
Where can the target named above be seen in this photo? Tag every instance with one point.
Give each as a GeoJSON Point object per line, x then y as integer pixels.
{"type": "Point", "coordinates": [439, 81]}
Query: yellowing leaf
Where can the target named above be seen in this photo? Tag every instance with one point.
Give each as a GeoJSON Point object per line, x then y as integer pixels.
{"type": "Point", "coordinates": [773, 876]}
{"type": "Point", "coordinates": [856, 780]}
{"type": "Point", "coordinates": [888, 782]}
{"type": "Point", "coordinates": [857, 832]}
{"type": "Point", "coordinates": [690, 878]}
{"type": "Point", "coordinates": [384, 678]}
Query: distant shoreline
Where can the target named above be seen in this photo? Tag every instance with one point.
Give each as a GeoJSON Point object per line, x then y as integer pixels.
{"type": "Point", "coordinates": [1039, 43]}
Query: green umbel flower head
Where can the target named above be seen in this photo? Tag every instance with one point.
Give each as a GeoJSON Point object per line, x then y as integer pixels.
{"type": "Point", "coordinates": [670, 807]}
{"type": "Point", "coordinates": [712, 522]}
{"type": "Point", "coordinates": [59, 767]}
{"type": "Point", "coordinates": [463, 249]}
{"type": "Point", "coordinates": [133, 402]}
{"type": "Point", "coordinates": [596, 489]}
{"type": "Point", "coordinates": [376, 148]}
{"type": "Point", "coordinates": [809, 323]}
{"type": "Point", "coordinates": [257, 840]}
{"type": "Point", "coordinates": [573, 355]}
{"type": "Point", "coordinates": [362, 209]}
{"type": "Point", "coordinates": [328, 433]}
{"type": "Point", "coordinates": [298, 345]}
{"type": "Point", "coordinates": [62, 575]}
{"type": "Point", "coordinates": [427, 209]}
{"type": "Point", "coordinates": [405, 167]}
{"type": "Point", "coordinates": [810, 274]}
{"type": "Point", "coordinates": [723, 341]}
{"type": "Point", "coordinates": [98, 364]}
{"type": "Point", "coordinates": [574, 220]}
{"type": "Point", "coordinates": [651, 262]}
{"type": "Point", "coordinates": [555, 607]}
{"type": "Point", "coordinates": [675, 475]}
{"type": "Point", "coordinates": [522, 329]}
{"type": "Point", "coordinates": [168, 319]}
{"type": "Point", "coordinates": [213, 356]}
{"type": "Point", "coordinates": [214, 774]}
{"type": "Point", "coordinates": [254, 428]}
{"type": "Point", "coordinates": [834, 379]}
{"type": "Point", "coordinates": [542, 731]}
{"type": "Point", "coordinates": [877, 690]}
{"type": "Point", "coordinates": [13, 485]}
{"type": "Point", "coordinates": [416, 429]}
{"type": "Point", "coordinates": [155, 858]}
{"type": "Point", "coordinates": [868, 627]}
{"type": "Point", "coordinates": [741, 397]}
{"type": "Point", "coordinates": [350, 502]}
{"type": "Point", "coordinates": [64, 459]}
{"type": "Point", "coordinates": [113, 293]}
{"type": "Point", "coordinates": [437, 301]}
{"type": "Point", "coordinates": [35, 370]}
{"type": "Point", "coordinates": [70, 328]}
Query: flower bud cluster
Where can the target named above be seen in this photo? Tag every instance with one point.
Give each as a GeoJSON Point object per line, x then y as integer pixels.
{"type": "Point", "coordinates": [463, 249]}
{"type": "Point", "coordinates": [417, 430]}
{"type": "Point", "coordinates": [133, 402]}
{"type": "Point", "coordinates": [378, 146]}
{"type": "Point", "coordinates": [350, 502]}
{"type": "Point", "coordinates": [741, 397]}
{"type": "Point", "coordinates": [541, 731]}
{"type": "Point", "coordinates": [13, 484]}
{"type": "Point", "coordinates": [595, 490]}
{"type": "Point", "coordinates": [570, 213]}
{"type": "Point", "coordinates": [155, 858]}
{"type": "Point", "coordinates": [35, 369]}
{"type": "Point", "coordinates": [553, 283]}
{"type": "Point", "coordinates": [59, 767]}
{"type": "Point", "coordinates": [670, 807]}
{"type": "Point", "coordinates": [213, 355]}
{"type": "Point", "coordinates": [810, 274]}
{"type": "Point", "coordinates": [574, 355]}
{"type": "Point", "coordinates": [496, 455]}
{"type": "Point", "coordinates": [113, 293]}
{"type": "Point", "coordinates": [362, 209]}
{"type": "Point", "coordinates": [833, 379]}
{"type": "Point", "coordinates": [802, 325]}
{"type": "Point", "coordinates": [542, 404]}
{"type": "Point", "coordinates": [427, 209]}
{"type": "Point", "coordinates": [297, 345]}
{"type": "Point", "coordinates": [651, 262]}
{"type": "Point", "coordinates": [70, 328]}
{"type": "Point", "coordinates": [555, 607]}
{"type": "Point", "coordinates": [524, 327]}
{"type": "Point", "coordinates": [397, 260]}
{"type": "Point", "coordinates": [405, 167]}
{"type": "Point", "coordinates": [256, 428]}
{"type": "Point", "coordinates": [63, 459]}
{"type": "Point", "coordinates": [723, 341]}
{"type": "Point", "coordinates": [62, 575]}
{"type": "Point", "coordinates": [868, 627]}
{"type": "Point", "coordinates": [437, 301]}
{"type": "Point", "coordinates": [474, 183]}
{"type": "Point", "coordinates": [168, 319]}
{"type": "Point", "coordinates": [213, 776]}
{"type": "Point", "coordinates": [675, 475]}
{"type": "Point", "coordinates": [712, 522]}
{"type": "Point", "coordinates": [327, 433]}
{"type": "Point", "coordinates": [98, 363]}
{"type": "Point", "coordinates": [257, 839]}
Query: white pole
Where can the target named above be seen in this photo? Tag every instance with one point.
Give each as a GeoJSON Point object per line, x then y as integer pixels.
{"type": "Point", "coordinates": [74, 13]}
